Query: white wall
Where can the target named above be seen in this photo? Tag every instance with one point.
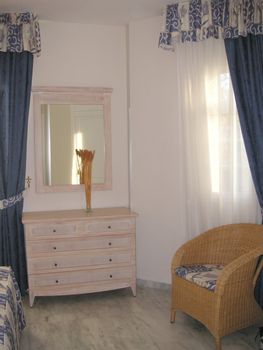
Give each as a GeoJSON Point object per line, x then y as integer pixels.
{"type": "Point", "coordinates": [98, 58]}
{"type": "Point", "coordinates": [84, 55]}
{"type": "Point", "coordinates": [156, 181]}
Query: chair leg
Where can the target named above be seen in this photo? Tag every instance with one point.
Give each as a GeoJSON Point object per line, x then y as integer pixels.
{"type": "Point", "coordinates": [173, 314]}
{"type": "Point", "coordinates": [218, 344]}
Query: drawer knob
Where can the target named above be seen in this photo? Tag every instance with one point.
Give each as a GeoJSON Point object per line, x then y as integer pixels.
{"type": "Point", "coordinates": [109, 243]}
{"type": "Point", "coordinates": [56, 281]}
{"type": "Point", "coordinates": [54, 230]}
{"type": "Point", "coordinates": [110, 276]}
{"type": "Point", "coordinates": [110, 259]}
{"type": "Point", "coordinates": [109, 226]}
{"type": "Point", "coordinates": [54, 248]}
{"type": "Point", "coordinates": [55, 264]}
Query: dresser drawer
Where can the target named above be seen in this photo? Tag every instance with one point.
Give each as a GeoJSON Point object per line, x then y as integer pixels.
{"type": "Point", "coordinates": [79, 260]}
{"type": "Point", "coordinates": [124, 225]}
{"type": "Point", "coordinates": [51, 230]}
{"type": "Point", "coordinates": [53, 246]}
{"type": "Point", "coordinates": [78, 277]}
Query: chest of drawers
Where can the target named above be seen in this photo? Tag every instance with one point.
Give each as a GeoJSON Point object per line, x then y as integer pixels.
{"type": "Point", "coordinates": [74, 251]}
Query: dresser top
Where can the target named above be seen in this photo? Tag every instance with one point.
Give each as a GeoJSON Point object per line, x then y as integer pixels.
{"type": "Point", "coordinates": [76, 214]}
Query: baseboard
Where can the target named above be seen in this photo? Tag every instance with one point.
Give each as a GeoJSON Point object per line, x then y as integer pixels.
{"type": "Point", "coordinates": [153, 284]}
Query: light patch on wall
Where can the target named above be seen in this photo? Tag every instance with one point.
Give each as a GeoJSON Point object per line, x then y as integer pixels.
{"type": "Point", "coordinates": [78, 144]}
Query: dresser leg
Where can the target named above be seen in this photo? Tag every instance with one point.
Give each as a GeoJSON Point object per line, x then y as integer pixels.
{"type": "Point", "coordinates": [31, 299]}
{"type": "Point", "coordinates": [133, 288]}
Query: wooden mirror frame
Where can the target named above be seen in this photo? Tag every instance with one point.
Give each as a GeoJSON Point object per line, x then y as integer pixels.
{"type": "Point", "coordinates": [71, 95]}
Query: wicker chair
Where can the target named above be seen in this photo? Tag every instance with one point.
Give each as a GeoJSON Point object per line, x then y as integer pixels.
{"type": "Point", "coordinates": [231, 306]}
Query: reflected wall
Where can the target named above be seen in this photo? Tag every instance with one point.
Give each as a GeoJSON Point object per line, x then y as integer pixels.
{"type": "Point", "coordinates": [67, 128]}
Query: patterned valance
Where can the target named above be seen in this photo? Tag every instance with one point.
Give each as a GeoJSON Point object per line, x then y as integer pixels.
{"type": "Point", "coordinates": [19, 32]}
{"type": "Point", "coordinates": [196, 20]}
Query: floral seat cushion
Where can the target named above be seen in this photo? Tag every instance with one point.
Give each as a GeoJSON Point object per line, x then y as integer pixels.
{"type": "Point", "coordinates": [203, 275]}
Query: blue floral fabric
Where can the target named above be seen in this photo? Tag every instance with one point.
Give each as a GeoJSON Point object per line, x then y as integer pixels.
{"type": "Point", "coordinates": [203, 275]}
{"type": "Point", "coordinates": [196, 20]}
{"type": "Point", "coordinates": [12, 320]}
{"type": "Point", "coordinates": [19, 32]}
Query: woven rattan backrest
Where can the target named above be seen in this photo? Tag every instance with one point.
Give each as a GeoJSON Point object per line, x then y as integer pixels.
{"type": "Point", "coordinates": [226, 243]}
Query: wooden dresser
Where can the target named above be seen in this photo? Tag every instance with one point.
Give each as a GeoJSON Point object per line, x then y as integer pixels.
{"type": "Point", "coordinates": [74, 252]}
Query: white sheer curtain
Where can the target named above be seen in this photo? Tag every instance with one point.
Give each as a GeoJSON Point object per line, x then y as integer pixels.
{"type": "Point", "coordinates": [218, 184]}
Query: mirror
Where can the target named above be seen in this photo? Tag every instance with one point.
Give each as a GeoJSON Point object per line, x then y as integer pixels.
{"type": "Point", "coordinates": [67, 119]}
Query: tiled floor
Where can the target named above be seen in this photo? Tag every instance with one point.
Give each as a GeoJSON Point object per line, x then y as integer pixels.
{"type": "Point", "coordinates": [118, 321]}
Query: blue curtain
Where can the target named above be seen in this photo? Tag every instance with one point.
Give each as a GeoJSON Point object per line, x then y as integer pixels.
{"type": "Point", "coordinates": [245, 59]}
{"type": "Point", "coordinates": [15, 88]}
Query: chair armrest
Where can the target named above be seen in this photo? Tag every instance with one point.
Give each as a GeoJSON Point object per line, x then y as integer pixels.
{"type": "Point", "coordinates": [242, 270]}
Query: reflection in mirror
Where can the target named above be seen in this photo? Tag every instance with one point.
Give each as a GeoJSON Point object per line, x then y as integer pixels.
{"type": "Point", "coordinates": [67, 128]}
{"type": "Point", "coordinates": [67, 119]}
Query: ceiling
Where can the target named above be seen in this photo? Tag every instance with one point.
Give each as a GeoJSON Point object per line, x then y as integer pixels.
{"type": "Point", "coordinates": [117, 12]}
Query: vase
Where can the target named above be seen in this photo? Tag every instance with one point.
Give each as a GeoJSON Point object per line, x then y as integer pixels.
{"type": "Point", "coordinates": [85, 173]}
